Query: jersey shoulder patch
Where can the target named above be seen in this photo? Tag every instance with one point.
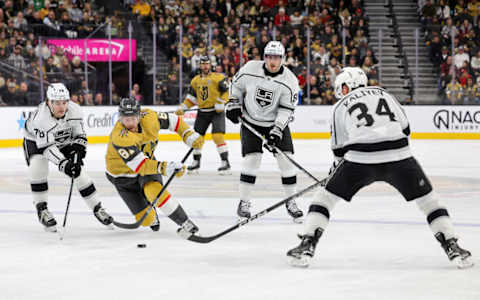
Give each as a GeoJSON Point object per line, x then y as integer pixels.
{"type": "Point", "coordinates": [122, 137]}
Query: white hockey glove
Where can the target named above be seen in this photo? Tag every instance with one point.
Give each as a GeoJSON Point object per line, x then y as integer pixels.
{"type": "Point", "coordinates": [219, 105]}
{"type": "Point", "coordinates": [167, 168]}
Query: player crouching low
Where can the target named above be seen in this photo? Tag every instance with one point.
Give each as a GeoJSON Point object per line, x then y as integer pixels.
{"type": "Point", "coordinates": [133, 169]}
{"type": "Point", "coordinates": [54, 132]}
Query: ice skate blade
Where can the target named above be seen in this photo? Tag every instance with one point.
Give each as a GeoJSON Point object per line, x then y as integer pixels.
{"type": "Point", "coordinates": [241, 219]}
{"type": "Point", "coordinates": [193, 172]}
{"type": "Point", "coordinates": [301, 262]}
{"type": "Point", "coordinates": [50, 229]}
{"type": "Point", "coordinates": [225, 172]}
{"type": "Point", "coordinates": [465, 263]}
{"type": "Point", "coordinates": [298, 220]}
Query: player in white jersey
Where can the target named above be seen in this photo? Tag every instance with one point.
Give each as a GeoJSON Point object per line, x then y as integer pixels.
{"type": "Point", "coordinates": [54, 132]}
{"type": "Point", "coordinates": [265, 94]}
{"type": "Point", "coordinates": [370, 143]}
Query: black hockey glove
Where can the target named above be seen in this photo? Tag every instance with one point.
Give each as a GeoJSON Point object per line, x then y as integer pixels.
{"type": "Point", "coordinates": [233, 110]}
{"type": "Point", "coordinates": [335, 165]}
{"type": "Point", "coordinates": [70, 168]}
{"type": "Point", "coordinates": [274, 137]}
{"type": "Point", "coordinates": [79, 147]}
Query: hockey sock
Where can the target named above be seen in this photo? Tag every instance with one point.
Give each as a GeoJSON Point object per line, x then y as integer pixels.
{"type": "Point", "coordinates": [437, 215]}
{"type": "Point", "coordinates": [319, 211]}
{"type": "Point", "coordinates": [39, 192]}
{"type": "Point", "coordinates": [289, 174]}
{"type": "Point", "coordinates": [289, 185]}
{"type": "Point", "coordinates": [219, 140]}
{"type": "Point", "coordinates": [251, 163]}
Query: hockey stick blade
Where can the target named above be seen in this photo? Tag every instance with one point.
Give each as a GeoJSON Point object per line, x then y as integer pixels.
{"type": "Point", "coordinates": [140, 221]}
{"type": "Point", "coordinates": [208, 239]}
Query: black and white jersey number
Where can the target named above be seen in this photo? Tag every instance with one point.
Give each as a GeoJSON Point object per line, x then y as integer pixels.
{"type": "Point", "coordinates": [364, 116]}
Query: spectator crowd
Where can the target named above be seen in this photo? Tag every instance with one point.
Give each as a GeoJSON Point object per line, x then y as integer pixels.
{"type": "Point", "coordinates": [452, 29]}
{"type": "Point", "coordinates": [197, 27]}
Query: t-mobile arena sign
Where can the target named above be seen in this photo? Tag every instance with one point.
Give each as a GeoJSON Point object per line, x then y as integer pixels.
{"type": "Point", "coordinates": [97, 49]}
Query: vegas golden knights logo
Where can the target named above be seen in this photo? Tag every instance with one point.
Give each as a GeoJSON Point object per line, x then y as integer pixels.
{"type": "Point", "coordinates": [204, 93]}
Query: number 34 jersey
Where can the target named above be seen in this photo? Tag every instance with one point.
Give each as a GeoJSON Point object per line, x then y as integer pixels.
{"type": "Point", "coordinates": [369, 126]}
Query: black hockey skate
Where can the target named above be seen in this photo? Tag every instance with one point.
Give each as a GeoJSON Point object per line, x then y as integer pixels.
{"type": "Point", "coordinates": [46, 218]}
{"type": "Point", "coordinates": [243, 210]}
{"type": "Point", "coordinates": [224, 168]}
{"type": "Point", "coordinates": [294, 211]}
{"type": "Point", "coordinates": [301, 255]}
{"type": "Point", "coordinates": [156, 223]}
{"type": "Point", "coordinates": [194, 168]}
{"type": "Point", "coordinates": [101, 215]}
{"type": "Point", "coordinates": [461, 258]}
{"type": "Point", "coordinates": [188, 229]}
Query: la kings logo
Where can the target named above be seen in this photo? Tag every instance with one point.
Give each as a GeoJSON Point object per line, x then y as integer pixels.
{"type": "Point", "coordinates": [264, 97]}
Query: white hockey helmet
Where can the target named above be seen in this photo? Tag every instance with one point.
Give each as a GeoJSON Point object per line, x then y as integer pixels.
{"type": "Point", "coordinates": [58, 92]}
{"type": "Point", "coordinates": [274, 48]}
{"type": "Point", "coordinates": [359, 76]}
{"type": "Point", "coordinates": [345, 77]}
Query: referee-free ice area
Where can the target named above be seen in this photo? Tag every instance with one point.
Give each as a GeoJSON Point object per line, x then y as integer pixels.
{"type": "Point", "coordinates": [376, 247]}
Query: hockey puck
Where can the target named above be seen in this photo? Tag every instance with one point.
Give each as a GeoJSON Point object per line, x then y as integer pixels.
{"type": "Point", "coordinates": [141, 245]}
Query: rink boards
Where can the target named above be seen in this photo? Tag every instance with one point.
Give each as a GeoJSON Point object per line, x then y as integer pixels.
{"type": "Point", "coordinates": [311, 122]}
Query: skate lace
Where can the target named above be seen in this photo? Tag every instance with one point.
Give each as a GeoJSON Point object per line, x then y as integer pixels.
{"type": "Point", "coordinates": [46, 215]}
{"type": "Point", "coordinates": [188, 226]}
{"type": "Point", "coordinates": [292, 206]}
{"type": "Point", "coordinates": [102, 214]}
{"type": "Point", "coordinates": [244, 205]}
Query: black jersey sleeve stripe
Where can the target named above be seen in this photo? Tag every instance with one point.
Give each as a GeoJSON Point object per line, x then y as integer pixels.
{"type": "Point", "coordinates": [374, 147]}
{"type": "Point", "coordinates": [286, 107]}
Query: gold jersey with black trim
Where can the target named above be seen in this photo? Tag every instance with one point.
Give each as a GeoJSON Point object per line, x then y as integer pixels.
{"type": "Point", "coordinates": [132, 153]}
{"type": "Point", "coordinates": [207, 90]}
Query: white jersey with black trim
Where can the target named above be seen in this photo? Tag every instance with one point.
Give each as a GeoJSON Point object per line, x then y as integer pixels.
{"type": "Point", "coordinates": [370, 126]}
{"type": "Point", "coordinates": [52, 134]}
{"type": "Point", "coordinates": [266, 100]}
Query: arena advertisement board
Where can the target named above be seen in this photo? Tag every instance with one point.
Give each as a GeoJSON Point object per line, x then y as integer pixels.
{"type": "Point", "coordinates": [429, 122]}
{"type": "Point", "coordinates": [97, 49]}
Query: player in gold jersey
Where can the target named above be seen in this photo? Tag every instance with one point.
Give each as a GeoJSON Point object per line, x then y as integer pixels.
{"type": "Point", "coordinates": [209, 91]}
{"type": "Point", "coordinates": [133, 169]}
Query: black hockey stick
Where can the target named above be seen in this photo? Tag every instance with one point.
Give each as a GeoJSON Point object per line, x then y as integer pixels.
{"type": "Point", "coordinates": [152, 205]}
{"type": "Point", "coordinates": [62, 231]}
{"type": "Point", "coordinates": [278, 150]}
{"type": "Point", "coordinates": [208, 239]}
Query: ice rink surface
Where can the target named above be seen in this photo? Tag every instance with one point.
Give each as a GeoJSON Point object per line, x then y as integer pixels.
{"type": "Point", "coordinates": [377, 247]}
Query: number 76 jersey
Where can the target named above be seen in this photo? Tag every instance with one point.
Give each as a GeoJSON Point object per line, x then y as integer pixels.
{"type": "Point", "coordinates": [369, 126]}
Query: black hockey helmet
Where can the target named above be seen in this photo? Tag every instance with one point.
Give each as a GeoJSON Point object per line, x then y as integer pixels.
{"type": "Point", "coordinates": [129, 107]}
{"type": "Point", "coordinates": [204, 59]}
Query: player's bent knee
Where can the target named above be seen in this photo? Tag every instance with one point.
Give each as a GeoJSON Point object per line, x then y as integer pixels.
{"type": "Point", "coordinates": [151, 191]}
{"type": "Point", "coordinates": [218, 138]}
{"type": "Point", "coordinates": [429, 203]}
{"type": "Point", "coordinates": [326, 199]}
{"type": "Point", "coordinates": [287, 169]}
{"type": "Point", "coordinates": [149, 219]}
{"type": "Point", "coordinates": [38, 168]}
{"type": "Point", "coordinates": [251, 163]}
